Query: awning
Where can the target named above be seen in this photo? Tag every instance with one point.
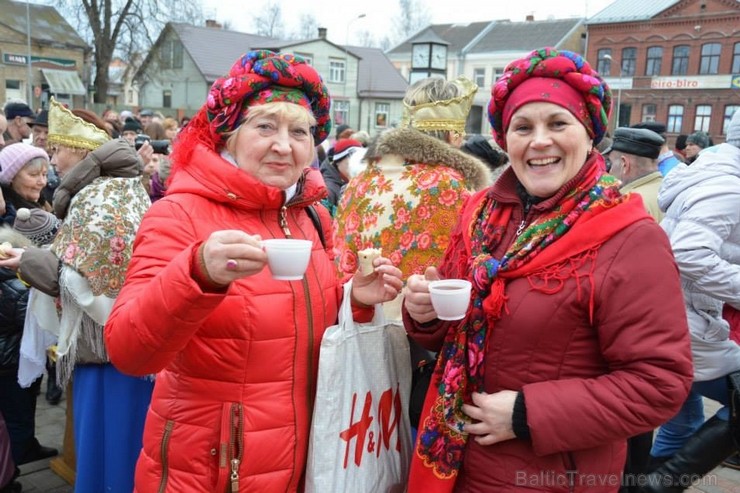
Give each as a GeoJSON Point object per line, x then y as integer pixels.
{"type": "Point", "coordinates": [64, 81]}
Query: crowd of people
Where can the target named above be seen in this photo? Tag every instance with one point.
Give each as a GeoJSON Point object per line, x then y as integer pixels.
{"type": "Point", "coordinates": [605, 272]}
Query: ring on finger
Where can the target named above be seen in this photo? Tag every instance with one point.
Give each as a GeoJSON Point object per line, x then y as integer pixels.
{"type": "Point", "coordinates": [231, 264]}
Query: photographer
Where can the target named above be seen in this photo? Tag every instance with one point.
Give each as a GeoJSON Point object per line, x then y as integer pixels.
{"type": "Point", "coordinates": [156, 151]}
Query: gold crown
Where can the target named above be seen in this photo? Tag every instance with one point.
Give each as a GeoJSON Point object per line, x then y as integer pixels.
{"type": "Point", "coordinates": [67, 129]}
{"type": "Point", "coordinates": [448, 114]}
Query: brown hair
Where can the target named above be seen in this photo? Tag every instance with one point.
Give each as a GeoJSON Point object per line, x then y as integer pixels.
{"type": "Point", "coordinates": [91, 117]}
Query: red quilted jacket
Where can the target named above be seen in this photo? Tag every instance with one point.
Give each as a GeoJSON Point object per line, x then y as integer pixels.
{"type": "Point", "coordinates": [235, 371]}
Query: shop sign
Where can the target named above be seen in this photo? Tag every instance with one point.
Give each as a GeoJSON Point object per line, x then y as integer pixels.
{"type": "Point", "coordinates": [692, 82]}
{"type": "Point", "coordinates": [18, 59]}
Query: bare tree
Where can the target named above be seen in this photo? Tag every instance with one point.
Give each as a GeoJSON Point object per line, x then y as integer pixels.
{"type": "Point", "coordinates": [124, 27]}
{"type": "Point", "coordinates": [366, 38]}
{"type": "Point", "coordinates": [270, 21]}
{"type": "Point", "coordinates": [308, 27]}
{"type": "Point", "coordinates": [412, 19]}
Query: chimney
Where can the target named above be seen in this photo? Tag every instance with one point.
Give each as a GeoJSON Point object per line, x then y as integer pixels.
{"type": "Point", "coordinates": [213, 23]}
{"type": "Point", "coordinates": [530, 17]}
{"type": "Point", "coordinates": [322, 32]}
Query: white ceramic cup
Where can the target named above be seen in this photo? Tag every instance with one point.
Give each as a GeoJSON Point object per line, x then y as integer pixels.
{"type": "Point", "coordinates": [450, 298]}
{"type": "Point", "coordinates": [287, 258]}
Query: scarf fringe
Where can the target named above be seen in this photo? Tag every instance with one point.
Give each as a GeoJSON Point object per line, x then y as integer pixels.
{"type": "Point", "coordinates": [552, 279]}
{"type": "Point", "coordinates": [75, 328]}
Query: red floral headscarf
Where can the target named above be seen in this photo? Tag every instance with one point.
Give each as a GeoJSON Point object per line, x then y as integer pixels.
{"type": "Point", "coordinates": [256, 78]}
{"type": "Point", "coordinates": [557, 76]}
{"type": "Point", "coordinates": [261, 77]}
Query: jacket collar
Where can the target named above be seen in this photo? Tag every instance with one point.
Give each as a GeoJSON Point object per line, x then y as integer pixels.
{"type": "Point", "coordinates": [505, 188]}
{"type": "Point", "coordinates": [214, 178]}
{"type": "Point", "coordinates": [416, 147]}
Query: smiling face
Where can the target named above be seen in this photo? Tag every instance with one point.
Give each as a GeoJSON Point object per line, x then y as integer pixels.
{"type": "Point", "coordinates": [274, 143]}
{"type": "Point", "coordinates": [31, 180]}
{"type": "Point", "coordinates": [547, 147]}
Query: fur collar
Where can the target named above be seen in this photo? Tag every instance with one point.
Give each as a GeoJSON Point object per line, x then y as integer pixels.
{"type": "Point", "coordinates": [416, 147]}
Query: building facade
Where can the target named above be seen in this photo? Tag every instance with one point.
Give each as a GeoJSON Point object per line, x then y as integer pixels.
{"type": "Point", "coordinates": [365, 88]}
{"type": "Point", "coordinates": [52, 60]}
{"type": "Point", "coordinates": [676, 62]}
{"type": "Point", "coordinates": [481, 50]}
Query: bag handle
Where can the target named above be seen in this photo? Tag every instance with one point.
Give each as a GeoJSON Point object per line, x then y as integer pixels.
{"type": "Point", "coordinates": [345, 311]}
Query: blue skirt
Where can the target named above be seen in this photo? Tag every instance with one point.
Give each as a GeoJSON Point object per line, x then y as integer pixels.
{"type": "Point", "coordinates": [109, 412]}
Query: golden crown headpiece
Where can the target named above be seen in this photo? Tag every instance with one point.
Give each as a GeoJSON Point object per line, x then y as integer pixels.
{"type": "Point", "coordinates": [67, 129]}
{"type": "Point", "coordinates": [448, 114]}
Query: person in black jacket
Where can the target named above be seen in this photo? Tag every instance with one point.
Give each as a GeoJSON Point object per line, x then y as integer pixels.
{"type": "Point", "coordinates": [17, 404]}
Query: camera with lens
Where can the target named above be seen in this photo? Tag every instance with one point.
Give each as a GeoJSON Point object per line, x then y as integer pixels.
{"type": "Point", "coordinates": [159, 146]}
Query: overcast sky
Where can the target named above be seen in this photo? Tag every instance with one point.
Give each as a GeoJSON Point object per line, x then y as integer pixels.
{"type": "Point", "coordinates": [380, 14]}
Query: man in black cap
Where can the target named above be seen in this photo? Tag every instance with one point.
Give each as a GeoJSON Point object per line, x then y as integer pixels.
{"type": "Point", "coordinates": [667, 160]}
{"type": "Point", "coordinates": [633, 156]}
{"type": "Point", "coordinates": [40, 129]}
{"type": "Point", "coordinates": [20, 117]}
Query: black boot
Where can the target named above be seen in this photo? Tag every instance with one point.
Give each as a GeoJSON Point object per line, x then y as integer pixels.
{"type": "Point", "coordinates": [704, 450]}
{"type": "Point", "coordinates": [37, 452]}
{"type": "Point", "coordinates": [53, 391]}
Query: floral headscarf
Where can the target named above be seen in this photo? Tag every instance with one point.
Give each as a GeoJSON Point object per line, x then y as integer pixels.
{"type": "Point", "coordinates": [562, 74]}
{"type": "Point", "coordinates": [261, 77]}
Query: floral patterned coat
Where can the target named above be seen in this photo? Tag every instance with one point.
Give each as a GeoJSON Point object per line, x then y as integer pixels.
{"type": "Point", "coordinates": [406, 202]}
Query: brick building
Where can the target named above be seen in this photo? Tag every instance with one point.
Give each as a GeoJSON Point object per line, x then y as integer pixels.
{"type": "Point", "coordinates": [679, 59]}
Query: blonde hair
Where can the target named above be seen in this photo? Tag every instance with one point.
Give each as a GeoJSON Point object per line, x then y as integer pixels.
{"type": "Point", "coordinates": [170, 123]}
{"type": "Point", "coordinates": [280, 109]}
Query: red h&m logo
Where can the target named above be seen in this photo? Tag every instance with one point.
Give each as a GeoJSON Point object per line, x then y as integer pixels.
{"type": "Point", "coordinates": [389, 418]}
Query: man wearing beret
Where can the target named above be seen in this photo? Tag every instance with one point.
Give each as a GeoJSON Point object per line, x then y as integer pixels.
{"type": "Point", "coordinates": [20, 117]}
{"type": "Point", "coordinates": [633, 156]}
{"type": "Point", "coordinates": [667, 160]}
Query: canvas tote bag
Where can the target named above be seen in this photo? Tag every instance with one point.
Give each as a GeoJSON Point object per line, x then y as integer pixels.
{"type": "Point", "coordinates": [360, 434]}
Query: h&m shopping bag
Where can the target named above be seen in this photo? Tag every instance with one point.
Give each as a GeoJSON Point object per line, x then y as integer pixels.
{"type": "Point", "coordinates": [360, 434]}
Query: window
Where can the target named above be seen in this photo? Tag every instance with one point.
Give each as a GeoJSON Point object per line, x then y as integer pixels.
{"type": "Point", "coordinates": [710, 58]}
{"type": "Point", "coordinates": [14, 90]}
{"type": "Point", "coordinates": [167, 99]}
{"type": "Point", "coordinates": [680, 60]}
{"type": "Point", "coordinates": [171, 54]}
{"type": "Point", "coordinates": [675, 118]}
{"type": "Point", "coordinates": [729, 111]}
{"type": "Point", "coordinates": [736, 59]}
{"type": "Point", "coordinates": [703, 115]}
{"type": "Point", "coordinates": [341, 112]}
{"type": "Point", "coordinates": [337, 70]}
{"type": "Point", "coordinates": [648, 112]}
{"type": "Point", "coordinates": [479, 76]}
{"type": "Point", "coordinates": [629, 61]}
{"type": "Point", "coordinates": [306, 56]}
{"type": "Point", "coordinates": [497, 72]}
{"type": "Point", "coordinates": [604, 64]}
{"type": "Point", "coordinates": [381, 114]}
{"type": "Point", "coordinates": [654, 60]}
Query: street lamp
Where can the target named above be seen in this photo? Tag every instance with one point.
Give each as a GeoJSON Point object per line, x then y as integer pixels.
{"type": "Point", "coordinates": [346, 34]}
{"type": "Point", "coordinates": [619, 90]}
{"type": "Point", "coordinates": [346, 62]}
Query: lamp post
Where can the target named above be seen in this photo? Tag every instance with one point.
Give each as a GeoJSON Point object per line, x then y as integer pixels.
{"type": "Point", "coordinates": [619, 91]}
{"type": "Point", "coordinates": [346, 66]}
{"type": "Point", "coordinates": [30, 71]}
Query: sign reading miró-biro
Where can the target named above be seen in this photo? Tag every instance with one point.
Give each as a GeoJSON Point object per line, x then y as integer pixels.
{"type": "Point", "coordinates": [692, 82]}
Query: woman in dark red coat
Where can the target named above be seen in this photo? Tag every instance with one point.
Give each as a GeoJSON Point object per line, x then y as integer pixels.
{"type": "Point", "coordinates": [567, 348]}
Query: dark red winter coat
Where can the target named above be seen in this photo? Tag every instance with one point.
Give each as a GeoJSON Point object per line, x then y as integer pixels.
{"type": "Point", "coordinates": [588, 385]}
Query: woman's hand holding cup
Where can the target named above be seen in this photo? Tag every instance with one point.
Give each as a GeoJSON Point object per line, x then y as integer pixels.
{"type": "Point", "coordinates": [229, 255]}
{"type": "Point", "coordinates": [417, 299]}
